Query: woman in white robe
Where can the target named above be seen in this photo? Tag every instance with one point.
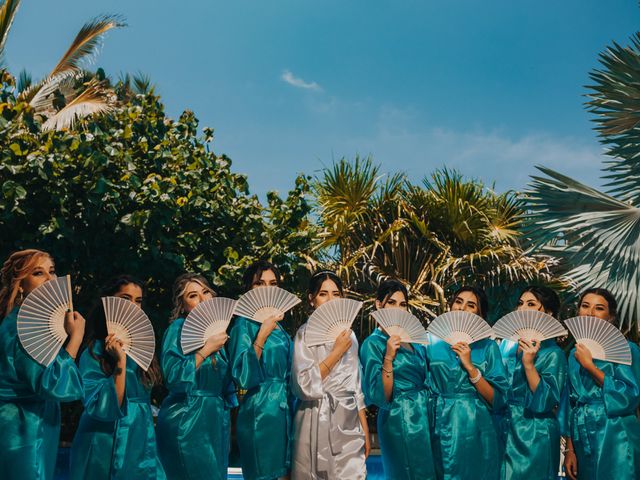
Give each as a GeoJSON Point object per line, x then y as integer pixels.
{"type": "Point", "coordinates": [331, 438]}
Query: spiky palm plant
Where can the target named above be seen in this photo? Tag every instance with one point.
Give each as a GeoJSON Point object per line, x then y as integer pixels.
{"type": "Point", "coordinates": [596, 235]}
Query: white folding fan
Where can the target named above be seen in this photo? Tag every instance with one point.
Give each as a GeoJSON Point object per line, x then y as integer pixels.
{"type": "Point", "coordinates": [132, 327]}
{"type": "Point", "coordinates": [459, 326]}
{"type": "Point", "coordinates": [260, 303]}
{"type": "Point", "coordinates": [529, 325]}
{"type": "Point", "coordinates": [329, 320]}
{"type": "Point", "coordinates": [395, 321]}
{"type": "Point", "coordinates": [208, 318]}
{"type": "Point", "coordinates": [41, 319]}
{"type": "Point", "coordinates": [603, 339]}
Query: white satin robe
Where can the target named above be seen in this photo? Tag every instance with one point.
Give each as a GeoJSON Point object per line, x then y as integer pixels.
{"type": "Point", "coordinates": [328, 436]}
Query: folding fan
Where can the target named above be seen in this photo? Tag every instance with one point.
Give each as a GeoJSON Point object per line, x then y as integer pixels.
{"type": "Point", "coordinates": [132, 327]}
{"type": "Point", "coordinates": [208, 318]}
{"type": "Point", "coordinates": [329, 320]}
{"type": "Point", "coordinates": [41, 319]}
{"type": "Point", "coordinates": [529, 325]}
{"type": "Point", "coordinates": [459, 326]}
{"type": "Point", "coordinates": [395, 321]}
{"type": "Point", "coordinates": [260, 303]}
{"type": "Point", "coordinates": [603, 339]}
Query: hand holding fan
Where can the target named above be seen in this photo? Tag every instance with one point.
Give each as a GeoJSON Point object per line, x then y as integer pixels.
{"type": "Point", "coordinates": [460, 326]}
{"type": "Point", "coordinates": [603, 339]}
{"type": "Point", "coordinates": [208, 318]}
{"type": "Point", "coordinates": [329, 320]}
{"type": "Point", "coordinates": [395, 321]}
{"type": "Point", "coordinates": [261, 303]}
{"type": "Point", "coordinates": [531, 325]}
{"type": "Point", "coordinates": [41, 319]}
{"type": "Point", "coordinates": [127, 322]}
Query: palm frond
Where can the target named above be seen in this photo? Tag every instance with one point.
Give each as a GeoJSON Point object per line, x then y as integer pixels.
{"type": "Point", "coordinates": [24, 81]}
{"type": "Point", "coordinates": [96, 98]}
{"type": "Point", "coordinates": [8, 12]}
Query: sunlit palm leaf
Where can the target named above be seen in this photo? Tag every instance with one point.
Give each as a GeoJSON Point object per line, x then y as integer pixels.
{"type": "Point", "coordinates": [7, 14]}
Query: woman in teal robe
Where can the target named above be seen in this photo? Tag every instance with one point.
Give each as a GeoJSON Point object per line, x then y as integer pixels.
{"type": "Point", "coordinates": [115, 437]}
{"type": "Point", "coordinates": [529, 423]}
{"type": "Point", "coordinates": [261, 364]}
{"type": "Point", "coordinates": [403, 420]}
{"type": "Point", "coordinates": [464, 437]}
{"type": "Point", "coordinates": [194, 420]}
{"type": "Point", "coordinates": [30, 394]}
{"type": "Point", "coordinates": [605, 431]}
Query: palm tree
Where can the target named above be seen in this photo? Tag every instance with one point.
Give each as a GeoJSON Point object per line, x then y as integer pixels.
{"type": "Point", "coordinates": [67, 92]}
{"type": "Point", "coordinates": [596, 235]}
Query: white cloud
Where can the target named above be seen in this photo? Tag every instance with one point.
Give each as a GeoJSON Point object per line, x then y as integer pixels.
{"type": "Point", "coordinates": [298, 82]}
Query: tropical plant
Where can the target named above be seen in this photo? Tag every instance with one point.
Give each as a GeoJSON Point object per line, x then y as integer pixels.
{"type": "Point", "coordinates": [596, 235]}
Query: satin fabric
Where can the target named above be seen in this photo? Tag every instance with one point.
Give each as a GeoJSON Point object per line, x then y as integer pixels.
{"type": "Point", "coordinates": [114, 442]}
{"type": "Point", "coordinates": [403, 422]}
{"type": "Point", "coordinates": [465, 439]}
{"type": "Point", "coordinates": [194, 422]}
{"type": "Point", "coordinates": [529, 424]}
{"type": "Point", "coordinates": [263, 426]}
{"type": "Point", "coordinates": [604, 427]}
{"type": "Point", "coordinates": [30, 397]}
{"type": "Point", "coordinates": [329, 439]}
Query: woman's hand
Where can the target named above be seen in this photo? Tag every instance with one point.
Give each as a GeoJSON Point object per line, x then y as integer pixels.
{"type": "Point", "coordinates": [269, 325]}
{"type": "Point", "coordinates": [393, 344]}
{"type": "Point", "coordinates": [74, 325]}
{"type": "Point", "coordinates": [343, 342]}
{"type": "Point", "coordinates": [571, 464]}
{"type": "Point", "coordinates": [214, 343]}
{"type": "Point", "coordinates": [463, 350]}
{"type": "Point", "coordinates": [529, 351]}
{"type": "Point", "coordinates": [584, 357]}
{"type": "Point", "coordinates": [114, 347]}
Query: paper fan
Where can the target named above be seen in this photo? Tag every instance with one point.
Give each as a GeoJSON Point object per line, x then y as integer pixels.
{"type": "Point", "coordinates": [459, 326]}
{"type": "Point", "coordinates": [603, 339]}
{"type": "Point", "coordinates": [208, 318]}
{"type": "Point", "coordinates": [260, 303]}
{"type": "Point", "coordinates": [395, 321]}
{"type": "Point", "coordinates": [329, 320]}
{"type": "Point", "coordinates": [528, 324]}
{"type": "Point", "coordinates": [41, 319]}
{"type": "Point", "coordinates": [132, 327]}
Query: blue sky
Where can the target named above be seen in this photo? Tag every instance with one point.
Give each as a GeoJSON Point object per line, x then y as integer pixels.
{"type": "Point", "coordinates": [489, 88]}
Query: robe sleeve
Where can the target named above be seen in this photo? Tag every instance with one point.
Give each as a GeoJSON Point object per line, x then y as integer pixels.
{"type": "Point", "coordinates": [60, 381]}
{"type": "Point", "coordinates": [100, 396]}
{"type": "Point", "coordinates": [372, 358]}
{"type": "Point", "coordinates": [620, 391]}
{"type": "Point", "coordinates": [306, 380]}
{"type": "Point", "coordinates": [553, 375]}
{"type": "Point", "coordinates": [179, 370]}
{"type": "Point", "coordinates": [496, 375]}
{"type": "Point", "coordinates": [246, 368]}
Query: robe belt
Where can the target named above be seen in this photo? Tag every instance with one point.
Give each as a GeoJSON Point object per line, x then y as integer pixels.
{"type": "Point", "coordinates": [410, 391]}
{"type": "Point", "coordinates": [330, 428]}
{"type": "Point", "coordinates": [196, 393]}
{"type": "Point", "coordinates": [585, 423]}
{"type": "Point", "coordinates": [140, 399]}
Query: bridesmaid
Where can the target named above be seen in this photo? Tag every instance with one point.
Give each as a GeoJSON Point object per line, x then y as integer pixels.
{"type": "Point", "coordinates": [331, 435]}
{"type": "Point", "coordinates": [194, 421]}
{"type": "Point", "coordinates": [605, 432]}
{"type": "Point", "coordinates": [30, 394]}
{"type": "Point", "coordinates": [395, 380]}
{"type": "Point", "coordinates": [115, 437]}
{"type": "Point", "coordinates": [261, 364]}
{"type": "Point", "coordinates": [468, 383]}
{"type": "Point", "coordinates": [537, 373]}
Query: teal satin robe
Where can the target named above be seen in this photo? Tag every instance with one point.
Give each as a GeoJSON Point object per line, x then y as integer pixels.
{"type": "Point", "coordinates": [264, 418]}
{"type": "Point", "coordinates": [529, 424]}
{"type": "Point", "coordinates": [30, 397]}
{"type": "Point", "coordinates": [194, 422]}
{"type": "Point", "coordinates": [464, 437]}
{"type": "Point", "coordinates": [403, 423]}
{"type": "Point", "coordinates": [603, 423]}
{"type": "Point", "coordinates": [114, 442]}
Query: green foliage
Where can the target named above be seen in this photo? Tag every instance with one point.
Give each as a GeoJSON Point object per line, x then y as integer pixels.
{"type": "Point", "coordinates": [140, 193]}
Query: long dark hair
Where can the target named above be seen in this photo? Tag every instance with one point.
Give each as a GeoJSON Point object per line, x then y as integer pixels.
{"type": "Point", "coordinates": [97, 330]}
{"type": "Point", "coordinates": [387, 288]}
{"type": "Point", "coordinates": [318, 278]}
{"type": "Point", "coordinates": [612, 303]}
{"type": "Point", "coordinates": [547, 297]}
{"type": "Point", "coordinates": [481, 297]}
{"type": "Point", "coordinates": [253, 273]}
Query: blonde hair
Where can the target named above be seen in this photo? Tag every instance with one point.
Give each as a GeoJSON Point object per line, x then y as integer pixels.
{"type": "Point", "coordinates": [180, 288]}
{"type": "Point", "coordinates": [16, 268]}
